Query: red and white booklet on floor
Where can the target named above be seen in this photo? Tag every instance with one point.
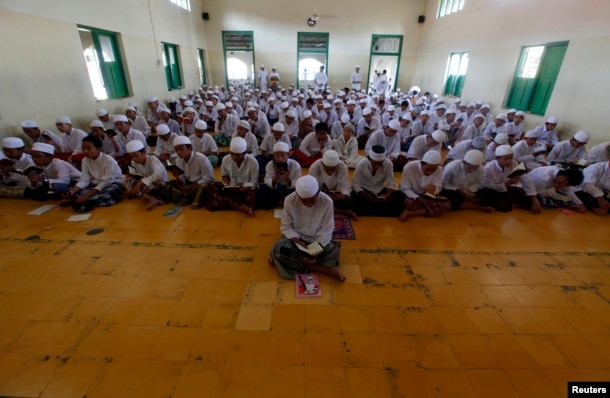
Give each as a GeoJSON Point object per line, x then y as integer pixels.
{"type": "Point", "coordinates": [308, 285]}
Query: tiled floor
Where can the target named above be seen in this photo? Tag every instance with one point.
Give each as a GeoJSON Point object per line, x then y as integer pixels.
{"type": "Point", "coordinates": [500, 305]}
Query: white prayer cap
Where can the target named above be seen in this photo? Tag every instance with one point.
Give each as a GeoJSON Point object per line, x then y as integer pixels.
{"type": "Point", "coordinates": [120, 118]}
{"type": "Point", "coordinates": [228, 105]}
{"type": "Point", "coordinates": [307, 114]}
{"type": "Point", "coordinates": [273, 67]}
{"type": "Point", "coordinates": [377, 153]}
{"type": "Point", "coordinates": [330, 158]}
{"type": "Point", "coordinates": [357, 66]}
{"type": "Point", "coordinates": [209, 103]}
{"type": "Point", "coordinates": [344, 118]}
{"type": "Point", "coordinates": [307, 187]}
{"type": "Point", "coordinates": [188, 103]}
{"type": "Point", "coordinates": [350, 126]}
{"type": "Point", "coordinates": [458, 100]}
{"type": "Point", "coordinates": [29, 124]}
{"type": "Point", "coordinates": [501, 139]}
{"type": "Point", "coordinates": [251, 109]}
{"type": "Point", "coordinates": [244, 124]}
{"type": "Point", "coordinates": [189, 109]}
{"type": "Point", "coordinates": [101, 112]}
{"type": "Point", "coordinates": [425, 112]}
{"type": "Point", "coordinates": [183, 97]}
{"type": "Point", "coordinates": [406, 116]}
{"type": "Point", "coordinates": [520, 113]}
{"type": "Point", "coordinates": [479, 116]}
{"type": "Point", "coordinates": [552, 119]}
{"type": "Point", "coordinates": [474, 157]}
{"type": "Point", "coordinates": [366, 111]}
{"type": "Point", "coordinates": [198, 100]}
{"type": "Point", "coordinates": [173, 99]}
{"type": "Point", "coordinates": [284, 105]}
{"type": "Point", "coordinates": [582, 136]}
{"type": "Point", "coordinates": [291, 113]}
{"type": "Point", "coordinates": [478, 142]}
{"type": "Point", "coordinates": [281, 147]}
{"type": "Point", "coordinates": [238, 145]}
{"type": "Point", "coordinates": [96, 123]}
{"type": "Point", "coordinates": [220, 107]}
{"type": "Point", "coordinates": [439, 136]}
{"type": "Point", "coordinates": [134, 146]}
{"type": "Point", "coordinates": [42, 147]}
{"type": "Point", "coordinates": [420, 101]}
{"type": "Point", "coordinates": [327, 105]}
{"type": "Point", "coordinates": [294, 99]}
{"type": "Point", "coordinates": [133, 104]}
{"type": "Point", "coordinates": [504, 150]}
{"type": "Point", "coordinates": [130, 108]}
{"type": "Point", "coordinates": [363, 101]}
{"type": "Point", "coordinates": [486, 106]}
{"type": "Point", "coordinates": [278, 127]}
{"type": "Point", "coordinates": [450, 112]}
{"type": "Point", "coordinates": [441, 107]}
{"type": "Point", "coordinates": [162, 129]}
{"type": "Point", "coordinates": [351, 102]}
{"type": "Point", "coordinates": [480, 102]}
{"type": "Point", "coordinates": [181, 140]}
{"type": "Point", "coordinates": [330, 97]}
{"type": "Point", "coordinates": [512, 110]}
{"type": "Point", "coordinates": [502, 116]}
{"type": "Point", "coordinates": [470, 105]}
{"type": "Point", "coordinates": [201, 125]}
{"type": "Point", "coordinates": [262, 66]}
{"type": "Point", "coordinates": [432, 157]}
{"type": "Point", "coordinates": [434, 95]}
{"type": "Point", "coordinates": [272, 98]}
{"type": "Point", "coordinates": [163, 109]}
{"type": "Point", "coordinates": [531, 134]}
{"type": "Point", "coordinates": [391, 108]}
{"type": "Point", "coordinates": [375, 96]}
{"type": "Point", "coordinates": [63, 120]}
{"type": "Point", "coordinates": [440, 99]}
{"type": "Point", "coordinates": [337, 101]}
{"type": "Point", "coordinates": [394, 124]}
{"type": "Point", "coordinates": [12, 143]}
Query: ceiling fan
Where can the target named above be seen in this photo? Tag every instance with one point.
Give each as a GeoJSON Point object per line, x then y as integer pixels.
{"type": "Point", "coordinates": [313, 19]}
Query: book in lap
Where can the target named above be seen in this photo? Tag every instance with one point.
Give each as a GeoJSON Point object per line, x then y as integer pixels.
{"type": "Point", "coordinates": [308, 285]}
{"type": "Point", "coordinates": [313, 249]}
{"type": "Point", "coordinates": [427, 195]}
{"type": "Point", "coordinates": [518, 171]}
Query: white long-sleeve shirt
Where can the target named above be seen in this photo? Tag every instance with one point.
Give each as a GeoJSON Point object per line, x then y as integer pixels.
{"type": "Point", "coordinates": [338, 181]}
{"type": "Point", "coordinates": [391, 144]}
{"type": "Point", "coordinates": [247, 173]}
{"type": "Point", "coordinates": [455, 177]}
{"type": "Point", "coordinates": [459, 150]}
{"type": "Point", "coordinates": [61, 172]}
{"type": "Point", "coordinates": [472, 131]}
{"type": "Point", "coordinates": [100, 172]}
{"type": "Point", "coordinates": [310, 224]}
{"type": "Point", "coordinates": [565, 152]}
{"type": "Point", "coordinates": [251, 143]}
{"type": "Point", "coordinates": [543, 179]}
{"type": "Point", "coordinates": [598, 153]}
{"type": "Point", "coordinates": [204, 144]}
{"type": "Point", "coordinates": [294, 172]}
{"type": "Point", "coordinates": [413, 181]}
{"type": "Point", "coordinates": [153, 172]}
{"type": "Point", "coordinates": [597, 179]}
{"type": "Point", "coordinates": [73, 141]}
{"type": "Point", "coordinates": [495, 177]}
{"type": "Point", "coordinates": [229, 126]}
{"type": "Point", "coordinates": [269, 141]}
{"type": "Point", "coordinates": [364, 178]}
{"type": "Point", "coordinates": [525, 153]}
{"type": "Point", "coordinates": [310, 146]}
{"type": "Point", "coordinates": [365, 127]}
{"type": "Point", "coordinates": [348, 151]}
{"type": "Point", "coordinates": [166, 146]}
{"type": "Point", "coordinates": [419, 146]}
{"type": "Point", "coordinates": [546, 136]}
{"type": "Point", "coordinates": [292, 129]}
{"type": "Point", "coordinates": [131, 135]}
{"type": "Point", "coordinates": [197, 169]}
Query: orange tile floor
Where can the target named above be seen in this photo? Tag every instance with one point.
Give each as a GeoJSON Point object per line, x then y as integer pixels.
{"type": "Point", "coordinates": [468, 305]}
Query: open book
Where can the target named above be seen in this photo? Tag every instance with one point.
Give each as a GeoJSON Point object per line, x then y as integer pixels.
{"type": "Point", "coordinates": [133, 173]}
{"type": "Point", "coordinates": [313, 249]}
{"type": "Point", "coordinates": [518, 171]}
{"type": "Point", "coordinates": [172, 168]}
{"type": "Point", "coordinates": [560, 197]}
{"type": "Point", "coordinates": [427, 195]}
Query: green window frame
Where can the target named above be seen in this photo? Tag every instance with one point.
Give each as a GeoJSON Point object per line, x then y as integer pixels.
{"type": "Point", "coordinates": [239, 41]}
{"type": "Point", "coordinates": [385, 46]}
{"type": "Point", "coordinates": [171, 61]}
{"type": "Point", "coordinates": [108, 57]}
{"type": "Point", "coordinates": [456, 73]}
{"type": "Point", "coordinates": [201, 61]}
{"type": "Point", "coordinates": [535, 77]}
{"type": "Point", "coordinates": [311, 44]}
{"type": "Point", "coordinates": [446, 7]}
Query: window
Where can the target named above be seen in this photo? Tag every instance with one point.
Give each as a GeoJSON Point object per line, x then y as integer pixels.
{"type": "Point", "coordinates": [535, 77]}
{"type": "Point", "coordinates": [384, 56]}
{"type": "Point", "coordinates": [104, 63]}
{"type": "Point", "coordinates": [446, 7]}
{"type": "Point", "coordinates": [312, 52]}
{"type": "Point", "coordinates": [456, 73]}
{"type": "Point", "coordinates": [182, 3]}
{"type": "Point", "coordinates": [238, 49]}
{"type": "Point", "coordinates": [172, 66]}
{"type": "Point", "coordinates": [201, 61]}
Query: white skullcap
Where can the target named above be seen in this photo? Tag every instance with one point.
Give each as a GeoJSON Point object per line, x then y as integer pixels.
{"type": "Point", "coordinates": [582, 136]}
{"type": "Point", "coordinates": [101, 112]}
{"type": "Point", "coordinates": [281, 147]}
{"type": "Point", "coordinates": [552, 119]}
{"type": "Point", "coordinates": [201, 125]}
{"type": "Point", "coordinates": [345, 118]}
{"type": "Point", "coordinates": [501, 138]}
{"type": "Point", "coordinates": [425, 112]}
{"type": "Point", "coordinates": [480, 102]}
{"type": "Point", "coordinates": [504, 150]}
{"type": "Point", "coordinates": [251, 109]}
{"type": "Point", "coordinates": [12, 143]}
{"type": "Point", "coordinates": [120, 118]}
{"type": "Point", "coordinates": [470, 105]}
{"type": "Point", "coordinates": [363, 101]}
{"type": "Point", "coordinates": [394, 124]}
{"type": "Point", "coordinates": [63, 120]}
{"type": "Point", "coordinates": [486, 106]}
{"type": "Point", "coordinates": [238, 145]}
{"type": "Point", "coordinates": [377, 153]}
{"type": "Point", "coordinates": [531, 134]}
{"type": "Point", "coordinates": [291, 113]}
{"type": "Point", "coordinates": [163, 109]}
{"type": "Point", "coordinates": [330, 158]}
{"type": "Point", "coordinates": [391, 108]}
{"type": "Point", "coordinates": [520, 113]}
{"type": "Point", "coordinates": [434, 95]}
{"type": "Point", "coordinates": [307, 187]}
{"type": "Point", "coordinates": [132, 104]}
{"type": "Point", "coordinates": [450, 112]}
{"type": "Point", "coordinates": [327, 105]}
{"type": "Point", "coordinates": [478, 142]}
{"type": "Point", "coordinates": [432, 157]}
{"type": "Point", "coordinates": [458, 99]}
{"type": "Point", "coordinates": [134, 146]}
{"type": "Point", "coordinates": [306, 114]}
{"type": "Point", "coordinates": [189, 109]}
{"type": "Point", "coordinates": [406, 116]}
{"type": "Point", "coordinates": [262, 66]}
{"type": "Point", "coordinates": [130, 108]}
{"type": "Point", "coordinates": [366, 111]}
{"type": "Point", "coordinates": [278, 127]}
{"type": "Point", "coordinates": [188, 103]}
{"type": "Point", "coordinates": [357, 66]}
{"type": "Point", "coordinates": [474, 157]}
{"type": "Point", "coordinates": [183, 97]}
{"type": "Point", "coordinates": [153, 99]}
{"type": "Point", "coordinates": [479, 116]}
{"type": "Point", "coordinates": [173, 99]}
{"type": "Point", "coordinates": [284, 105]}
{"type": "Point", "coordinates": [502, 116]}
{"type": "Point", "coordinates": [244, 124]}
{"type": "Point", "coordinates": [42, 147]}
{"type": "Point", "coordinates": [29, 124]}
{"type": "Point", "coordinates": [96, 123]}
{"type": "Point", "coordinates": [181, 140]}
{"type": "Point", "coordinates": [439, 136]}
{"type": "Point", "coordinates": [220, 106]}
{"type": "Point", "coordinates": [209, 103]}
{"type": "Point", "coordinates": [351, 102]}
{"type": "Point", "coordinates": [162, 129]}
{"type": "Point", "coordinates": [512, 110]}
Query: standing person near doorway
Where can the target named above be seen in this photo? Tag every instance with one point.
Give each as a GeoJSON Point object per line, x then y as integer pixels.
{"type": "Point", "coordinates": [356, 79]}
{"type": "Point", "coordinates": [262, 78]}
{"type": "Point", "coordinates": [320, 80]}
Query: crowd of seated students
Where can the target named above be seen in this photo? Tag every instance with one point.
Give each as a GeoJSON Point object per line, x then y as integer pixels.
{"type": "Point", "coordinates": [263, 142]}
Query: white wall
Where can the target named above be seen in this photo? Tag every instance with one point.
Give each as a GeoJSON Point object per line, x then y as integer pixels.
{"type": "Point", "coordinates": [493, 31]}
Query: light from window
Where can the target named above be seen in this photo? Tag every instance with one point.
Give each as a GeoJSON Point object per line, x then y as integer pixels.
{"type": "Point", "coordinates": [533, 55]}
{"type": "Point", "coordinates": [308, 68]}
{"type": "Point", "coordinates": [447, 7]}
{"type": "Point", "coordinates": [95, 74]}
{"type": "Point", "coordinates": [186, 4]}
{"type": "Point", "coordinates": [237, 69]}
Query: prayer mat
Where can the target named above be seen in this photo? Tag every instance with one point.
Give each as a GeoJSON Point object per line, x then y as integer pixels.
{"type": "Point", "coordinates": [343, 228]}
